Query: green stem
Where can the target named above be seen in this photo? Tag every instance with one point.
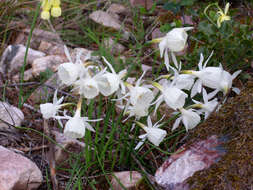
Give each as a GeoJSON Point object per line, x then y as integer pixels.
{"type": "Point", "coordinates": [20, 100]}
{"type": "Point", "coordinates": [205, 12]}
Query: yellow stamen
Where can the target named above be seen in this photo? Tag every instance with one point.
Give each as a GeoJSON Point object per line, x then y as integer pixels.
{"type": "Point", "coordinates": [157, 85]}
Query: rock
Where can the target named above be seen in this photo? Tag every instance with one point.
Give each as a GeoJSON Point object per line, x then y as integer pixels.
{"type": "Point", "coordinates": [48, 62]}
{"type": "Point", "coordinates": [233, 123]}
{"type": "Point", "coordinates": [52, 48]}
{"type": "Point", "coordinates": [117, 9]}
{"type": "Point", "coordinates": [48, 42]}
{"type": "Point", "coordinates": [13, 58]}
{"type": "Point", "coordinates": [43, 34]}
{"type": "Point", "coordinates": [147, 4]}
{"type": "Point", "coordinates": [105, 19]}
{"type": "Point", "coordinates": [71, 145]}
{"type": "Point", "coordinates": [129, 179]}
{"type": "Point", "coordinates": [85, 55]}
{"type": "Point", "coordinates": [174, 172]}
{"type": "Point", "coordinates": [27, 76]}
{"type": "Point", "coordinates": [10, 114]}
{"type": "Point", "coordinates": [116, 48]}
{"type": "Point", "coordinates": [108, 20]}
{"type": "Point", "coordinates": [18, 172]}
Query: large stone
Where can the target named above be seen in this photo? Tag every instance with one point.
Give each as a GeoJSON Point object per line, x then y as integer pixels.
{"type": "Point", "coordinates": [10, 115]}
{"type": "Point", "coordinates": [18, 172]}
{"type": "Point", "coordinates": [105, 19]}
{"type": "Point", "coordinates": [129, 180]}
{"type": "Point", "coordinates": [13, 58]}
{"type": "Point", "coordinates": [174, 172]}
{"type": "Point", "coordinates": [147, 4]}
{"type": "Point", "coordinates": [234, 123]}
{"type": "Point", "coordinates": [49, 62]}
{"type": "Point", "coordinates": [52, 48]}
{"type": "Point", "coordinates": [117, 9]}
{"type": "Point", "coordinates": [116, 48]}
{"type": "Point", "coordinates": [85, 55]}
{"type": "Point", "coordinates": [27, 76]}
{"type": "Point", "coordinates": [109, 20]}
{"type": "Point", "coordinates": [69, 145]}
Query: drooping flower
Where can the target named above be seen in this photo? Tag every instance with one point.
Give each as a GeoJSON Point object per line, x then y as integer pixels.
{"type": "Point", "coordinates": [56, 9]}
{"type": "Point", "coordinates": [207, 107]}
{"type": "Point", "coordinates": [49, 110]}
{"type": "Point", "coordinates": [153, 133]}
{"type": "Point", "coordinates": [46, 6]}
{"type": "Point", "coordinates": [212, 77]}
{"type": "Point", "coordinates": [69, 72]}
{"type": "Point", "coordinates": [189, 118]}
{"type": "Point", "coordinates": [53, 5]}
{"type": "Point", "coordinates": [108, 83]}
{"type": "Point", "coordinates": [174, 41]}
{"type": "Point", "coordinates": [173, 96]}
{"type": "Point", "coordinates": [138, 99]}
{"type": "Point", "coordinates": [87, 87]}
{"type": "Point", "coordinates": [77, 125]}
{"type": "Point", "coordinates": [222, 16]}
{"type": "Point", "coordinates": [138, 110]}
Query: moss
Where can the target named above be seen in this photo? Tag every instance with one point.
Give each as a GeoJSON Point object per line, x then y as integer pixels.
{"type": "Point", "coordinates": [234, 122]}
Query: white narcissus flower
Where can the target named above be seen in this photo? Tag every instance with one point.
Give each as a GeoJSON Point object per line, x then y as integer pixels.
{"type": "Point", "coordinates": [173, 96]}
{"type": "Point", "coordinates": [207, 107]}
{"type": "Point", "coordinates": [153, 133]}
{"type": "Point", "coordinates": [87, 87]}
{"type": "Point", "coordinates": [189, 118]}
{"type": "Point", "coordinates": [76, 126]}
{"type": "Point", "coordinates": [69, 72]}
{"type": "Point", "coordinates": [139, 100]}
{"type": "Point", "coordinates": [184, 81]}
{"type": "Point", "coordinates": [138, 110]}
{"type": "Point", "coordinates": [140, 95]}
{"type": "Point", "coordinates": [174, 41]}
{"type": "Point", "coordinates": [212, 77]}
{"type": "Point", "coordinates": [108, 83]}
{"type": "Point", "coordinates": [49, 110]}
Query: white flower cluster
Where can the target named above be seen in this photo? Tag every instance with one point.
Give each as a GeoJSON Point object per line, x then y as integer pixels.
{"type": "Point", "coordinates": [176, 89]}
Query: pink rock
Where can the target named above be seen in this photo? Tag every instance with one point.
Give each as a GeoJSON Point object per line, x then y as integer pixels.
{"type": "Point", "coordinates": [116, 48]}
{"type": "Point", "coordinates": [147, 4]}
{"type": "Point", "coordinates": [182, 165]}
{"type": "Point", "coordinates": [71, 145]}
{"type": "Point", "coordinates": [13, 58]}
{"type": "Point", "coordinates": [48, 62]}
{"type": "Point", "coordinates": [18, 172]}
{"type": "Point", "coordinates": [117, 8]}
{"type": "Point", "coordinates": [10, 115]}
{"type": "Point", "coordinates": [51, 48]}
{"type": "Point", "coordinates": [27, 76]}
{"type": "Point", "coordinates": [128, 179]}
